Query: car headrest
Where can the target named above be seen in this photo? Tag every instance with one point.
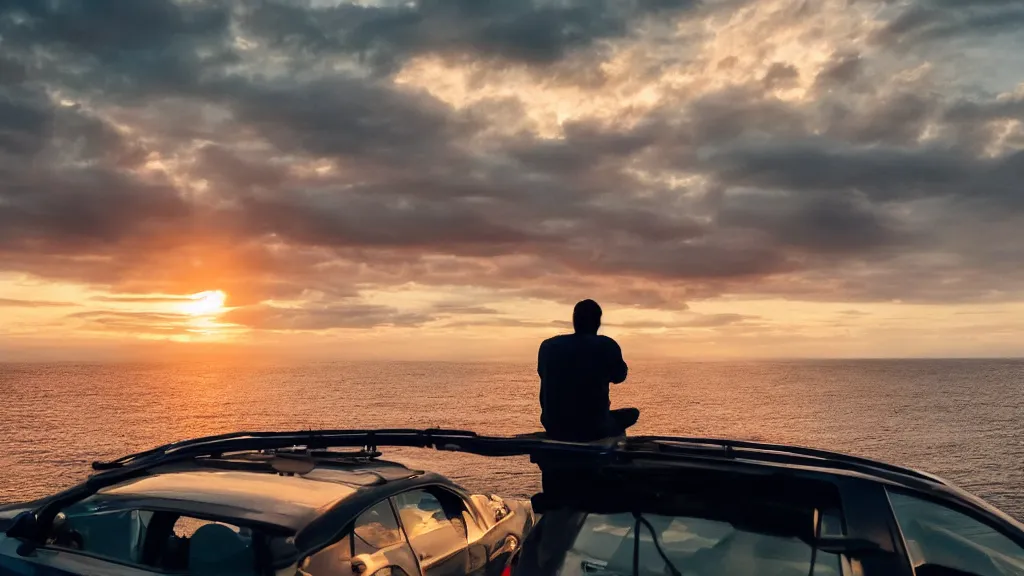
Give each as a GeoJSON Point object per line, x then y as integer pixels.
{"type": "Point", "coordinates": [217, 549]}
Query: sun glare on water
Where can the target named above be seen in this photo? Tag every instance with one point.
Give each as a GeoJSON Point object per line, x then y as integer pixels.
{"type": "Point", "coordinates": [209, 303]}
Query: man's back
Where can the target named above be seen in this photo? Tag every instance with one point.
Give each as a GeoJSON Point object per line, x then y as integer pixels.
{"type": "Point", "coordinates": [575, 371]}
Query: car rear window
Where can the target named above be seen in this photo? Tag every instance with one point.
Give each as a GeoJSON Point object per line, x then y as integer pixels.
{"type": "Point", "coordinates": [605, 546]}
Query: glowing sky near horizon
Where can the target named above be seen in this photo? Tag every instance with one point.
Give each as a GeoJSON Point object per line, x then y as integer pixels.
{"type": "Point", "coordinates": [445, 178]}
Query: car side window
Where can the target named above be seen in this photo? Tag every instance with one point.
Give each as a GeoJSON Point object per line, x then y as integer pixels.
{"type": "Point", "coordinates": [376, 529]}
{"type": "Point", "coordinates": [162, 540]}
{"type": "Point", "coordinates": [455, 510]}
{"type": "Point", "coordinates": [434, 530]}
{"type": "Point", "coordinates": [335, 559]}
{"type": "Point", "coordinates": [940, 539]}
{"type": "Point", "coordinates": [114, 534]}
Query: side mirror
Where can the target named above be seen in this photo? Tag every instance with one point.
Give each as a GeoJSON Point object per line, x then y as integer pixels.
{"type": "Point", "coordinates": [23, 526]}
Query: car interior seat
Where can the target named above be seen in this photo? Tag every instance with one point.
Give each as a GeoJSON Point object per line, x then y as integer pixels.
{"type": "Point", "coordinates": [217, 549]}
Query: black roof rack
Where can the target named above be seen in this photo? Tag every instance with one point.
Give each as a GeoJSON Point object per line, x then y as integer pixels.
{"type": "Point", "coordinates": [311, 440]}
{"type": "Point", "coordinates": [661, 447]}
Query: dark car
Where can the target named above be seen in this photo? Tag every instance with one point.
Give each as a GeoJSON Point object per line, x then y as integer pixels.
{"type": "Point", "coordinates": [624, 507]}
{"type": "Point", "coordinates": [681, 507]}
{"type": "Point", "coordinates": [248, 504]}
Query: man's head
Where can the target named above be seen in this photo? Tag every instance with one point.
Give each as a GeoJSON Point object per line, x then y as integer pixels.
{"type": "Point", "coordinates": [586, 317]}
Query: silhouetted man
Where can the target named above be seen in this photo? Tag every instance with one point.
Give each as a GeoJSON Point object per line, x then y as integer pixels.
{"type": "Point", "coordinates": [575, 371]}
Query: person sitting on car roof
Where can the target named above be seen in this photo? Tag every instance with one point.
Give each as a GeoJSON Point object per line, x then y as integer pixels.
{"type": "Point", "coordinates": [575, 372]}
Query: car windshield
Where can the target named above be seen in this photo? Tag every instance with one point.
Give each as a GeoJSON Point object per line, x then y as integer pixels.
{"type": "Point", "coordinates": [652, 544]}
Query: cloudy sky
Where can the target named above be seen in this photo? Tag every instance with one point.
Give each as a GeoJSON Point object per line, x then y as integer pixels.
{"type": "Point", "coordinates": [445, 178]}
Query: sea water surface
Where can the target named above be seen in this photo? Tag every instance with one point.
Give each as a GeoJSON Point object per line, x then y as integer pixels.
{"type": "Point", "coordinates": [960, 419]}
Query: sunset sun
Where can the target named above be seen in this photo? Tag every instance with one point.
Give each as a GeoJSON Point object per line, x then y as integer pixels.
{"type": "Point", "coordinates": [207, 303]}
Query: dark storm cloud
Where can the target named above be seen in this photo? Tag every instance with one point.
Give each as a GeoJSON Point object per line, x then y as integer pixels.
{"type": "Point", "coordinates": [345, 117]}
{"type": "Point", "coordinates": [66, 178]}
{"type": "Point", "coordinates": [157, 45]}
{"type": "Point", "coordinates": [369, 221]}
{"type": "Point", "coordinates": [83, 208]}
{"type": "Point", "coordinates": [145, 148]}
{"type": "Point", "coordinates": [880, 173]}
{"type": "Point", "coordinates": [780, 75]}
{"type": "Point", "coordinates": [226, 169]}
{"type": "Point", "coordinates": [974, 124]}
{"type": "Point", "coordinates": [105, 28]}
{"type": "Point", "coordinates": [843, 69]}
{"type": "Point", "coordinates": [531, 31]}
{"type": "Point", "coordinates": [929, 20]}
{"type": "Point", "coordinates": [23, 126]}
{"type": "Point", "coordinates": [825, 223]}
{"type": "Point", "coordinates": [895, 120]}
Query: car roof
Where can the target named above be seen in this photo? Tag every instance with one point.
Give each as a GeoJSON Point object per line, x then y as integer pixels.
{"type": "Point", "coordinates": [740, 456]}
{"type": "Point", "coordinates": [254, 495]}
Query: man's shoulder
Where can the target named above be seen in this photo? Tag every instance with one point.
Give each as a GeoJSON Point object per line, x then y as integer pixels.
{"type": "Point", "coordinates": [555, 340]}
{"type": "Point", "coordinates": [575, 340]}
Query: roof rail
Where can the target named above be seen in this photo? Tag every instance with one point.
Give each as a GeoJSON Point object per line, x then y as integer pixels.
{"type": "Point", "coordinates": [310, 439]}
{"type": "Point", "coordinates": [810, 456]}
{"type": "Point", "coordinates": [468, 441]}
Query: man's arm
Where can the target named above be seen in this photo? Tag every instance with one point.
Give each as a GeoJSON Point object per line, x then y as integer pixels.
{"type": "Point", "coordinates": [541, 357]}
{"type": "Point", "coordinates": [618, 365]}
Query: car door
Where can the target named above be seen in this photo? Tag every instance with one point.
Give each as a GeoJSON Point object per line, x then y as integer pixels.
{"type": "Point", "coordinates": [373, 545]}
{"type": "Point", "coordinates": [945, 541]}
{"type": "Point", "coordinates": [438, 537]}
{"type": "Point", "coordinates": [491, 543]}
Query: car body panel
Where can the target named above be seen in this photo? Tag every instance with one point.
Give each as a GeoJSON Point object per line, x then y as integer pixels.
{"type": "Point", "coordinates": [48, 562]}
{"type": "Point", "coordinates": [493, 533]}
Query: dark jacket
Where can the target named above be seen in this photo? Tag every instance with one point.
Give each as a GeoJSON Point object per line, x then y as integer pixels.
{"type": "Point", "coordinates": [575, 371]}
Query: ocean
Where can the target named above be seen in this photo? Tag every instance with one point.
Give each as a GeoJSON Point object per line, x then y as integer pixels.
{"type": "Point", "coordinates": [960, 419]}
